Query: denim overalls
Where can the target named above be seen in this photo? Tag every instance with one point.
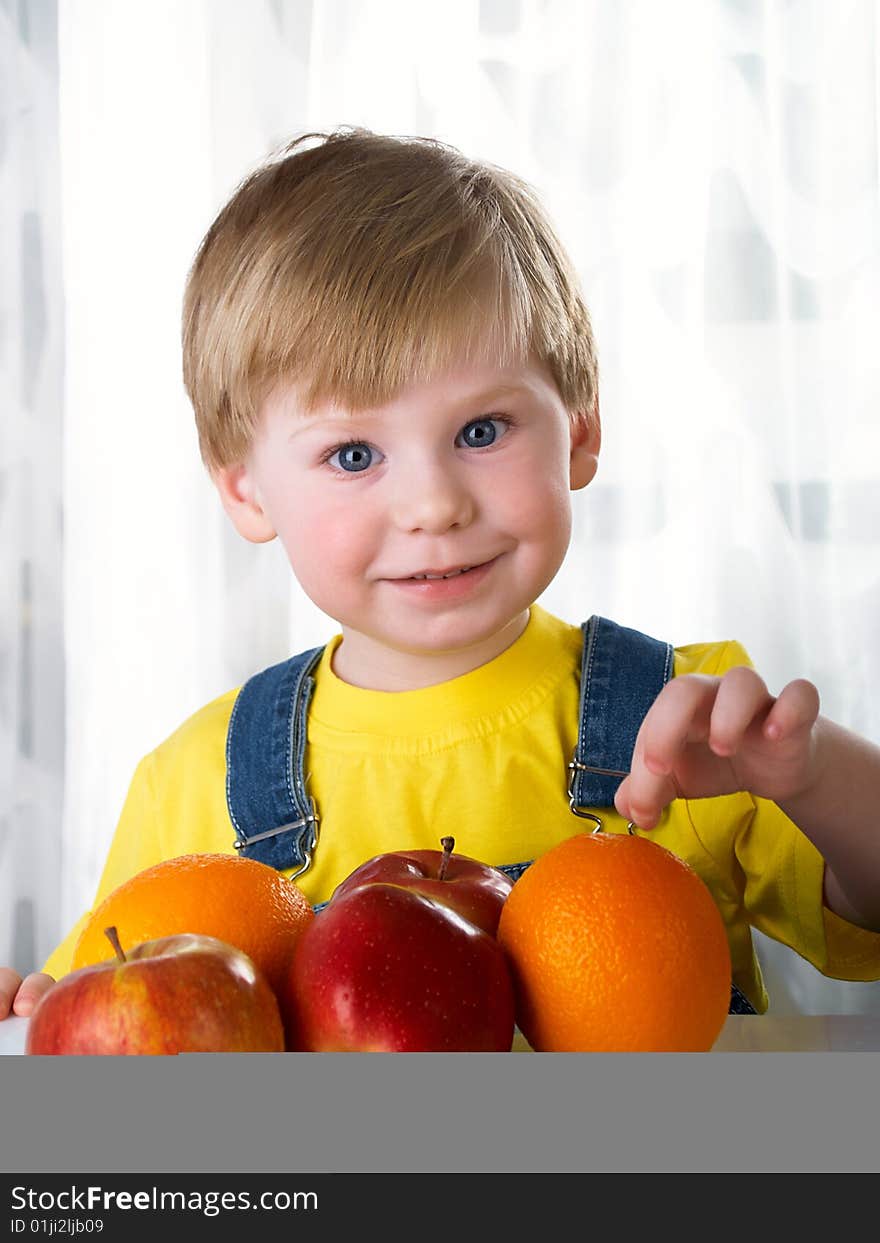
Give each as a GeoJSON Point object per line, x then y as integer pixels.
{"type": "Point", "coordinates": [275, 818]}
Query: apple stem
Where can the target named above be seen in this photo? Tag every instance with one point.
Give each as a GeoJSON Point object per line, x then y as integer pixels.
{"type": "Point", "coordinates": [448, 844]}
{"type": "Point", "coordinates": [113, 938]}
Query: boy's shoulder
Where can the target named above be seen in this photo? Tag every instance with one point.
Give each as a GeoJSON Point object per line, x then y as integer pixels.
{"type": "Point", "coordinates": [713, 658]}
{"type": "Point", "coordinates": [202, 731]}
{"type": "Point", "coordinates": [710, 658]}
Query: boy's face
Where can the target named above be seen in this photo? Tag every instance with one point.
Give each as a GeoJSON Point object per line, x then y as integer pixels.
{"type": "Point", "coordinates": [466, 476]}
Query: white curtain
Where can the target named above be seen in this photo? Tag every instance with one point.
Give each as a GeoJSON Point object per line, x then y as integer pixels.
{"type": "Point", "coordinates": [32, 684]}
{"type": "Point", "coordinates": [713, 168]}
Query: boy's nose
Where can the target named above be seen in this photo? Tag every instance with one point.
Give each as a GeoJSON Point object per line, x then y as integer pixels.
{"type": "Point", "coordinates": [431, 500]}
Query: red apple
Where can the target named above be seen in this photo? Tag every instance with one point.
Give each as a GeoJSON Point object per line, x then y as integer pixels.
{"type": "Point", "coordinates": [475, 890]}
{"type": "Point", "coordinates": [179, 994]}
{"type": "Point", "coordinates": [386, 969]}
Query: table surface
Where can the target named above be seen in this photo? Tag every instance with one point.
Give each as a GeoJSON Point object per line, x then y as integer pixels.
{"type": "Point", "coordinates": [802, 1033]}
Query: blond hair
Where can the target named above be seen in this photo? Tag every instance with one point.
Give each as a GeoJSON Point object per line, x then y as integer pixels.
{"type": "Point", "coordinates": [354, 264]}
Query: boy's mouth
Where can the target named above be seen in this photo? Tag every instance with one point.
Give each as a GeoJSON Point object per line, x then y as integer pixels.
{"type": "Point", "coordinates": [444, 584]}
{"type": "Point", "coordinates": [433, 575]}
{"type": "Point", "coordinates": [430, 574]}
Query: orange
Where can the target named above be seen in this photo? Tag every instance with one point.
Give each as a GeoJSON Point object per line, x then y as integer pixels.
{"type": "Point", "coordinates": [241, 901]}
{"type": "Point", "coordinates": [615, 944]}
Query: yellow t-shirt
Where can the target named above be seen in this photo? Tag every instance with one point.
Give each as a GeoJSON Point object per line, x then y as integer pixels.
{"type": "Point", "coordinates": [484, 757]}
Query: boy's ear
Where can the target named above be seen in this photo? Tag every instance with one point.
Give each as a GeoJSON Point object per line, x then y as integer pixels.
{"type": "Point", "coordinates": [242, 502]}
{"type": "Point", "coordinates": [586, 439]}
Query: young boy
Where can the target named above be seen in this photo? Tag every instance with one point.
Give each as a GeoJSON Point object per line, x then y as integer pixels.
{"type": "Point", "coordinates": [393, 371]}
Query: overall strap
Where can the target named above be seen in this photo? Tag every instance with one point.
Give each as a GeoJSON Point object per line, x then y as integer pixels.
{"type": "Point", "coordinates": [275, 819]}
{"type": "Point", "coordinates": [622, 673]}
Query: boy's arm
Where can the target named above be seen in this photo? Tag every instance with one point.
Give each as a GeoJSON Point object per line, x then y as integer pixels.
{"type": "Point", "coordinates": [705, 736]}
{"type": "Point", "coordinates": [840, 813]}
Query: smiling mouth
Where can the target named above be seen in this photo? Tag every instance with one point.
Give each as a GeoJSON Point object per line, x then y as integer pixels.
{"type": "Point", "coordinates": [428, 575]}
{"type": "Point", "coordinates": [443, 575]}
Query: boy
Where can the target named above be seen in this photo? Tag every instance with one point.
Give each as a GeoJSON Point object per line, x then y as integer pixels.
{"type": "Point", "coordinates": [393, 371]}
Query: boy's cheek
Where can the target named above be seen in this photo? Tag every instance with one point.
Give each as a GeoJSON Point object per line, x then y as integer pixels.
{"type": "Point", "coordinates": [334, 535]}
{"type": "Point", "coordinates": [315, 525]}
{"type": "Point", "coordinates": [545, 512]}
{"type": "Point", "coordinates": [326, 551]}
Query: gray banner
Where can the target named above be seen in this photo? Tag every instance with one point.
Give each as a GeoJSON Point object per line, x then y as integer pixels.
{"type": "Point", "coordinates": [486, 1113]}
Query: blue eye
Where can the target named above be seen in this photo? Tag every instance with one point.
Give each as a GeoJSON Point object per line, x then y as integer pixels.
{"type": "Point", "coordinates": [352, 457]}
{"type": "Point", "coordinates": [481, 432]}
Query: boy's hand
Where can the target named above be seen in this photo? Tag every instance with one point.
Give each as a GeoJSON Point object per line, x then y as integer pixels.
{"type": "Point", "coordinates": [705, 736]}
{"type": "Point", "coordinates": [19, 996]}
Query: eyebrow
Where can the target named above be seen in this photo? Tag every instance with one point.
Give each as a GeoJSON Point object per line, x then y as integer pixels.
{"type": "Point", "coordinates": [345, 418]}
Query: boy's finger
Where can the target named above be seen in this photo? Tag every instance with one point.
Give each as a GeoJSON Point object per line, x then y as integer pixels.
{"type": "Point", "coordinates": [10, 982]}
{"type": "Point", "coordinates": [796, 708]}
{"type": "Point", "coordinates": [30, 992]}
{"type": "Point", "coordinates": [742, 698]}
{"type": "Point", "coordinates": [680, 714]}
{"type": "Point", "coordinates": [641, 798]}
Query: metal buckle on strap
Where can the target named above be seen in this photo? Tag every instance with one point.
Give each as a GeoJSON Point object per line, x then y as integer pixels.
{"type": "Point", "coordinates": [312, 819]}
{"type": "Point", "coordinates": [577, 766]}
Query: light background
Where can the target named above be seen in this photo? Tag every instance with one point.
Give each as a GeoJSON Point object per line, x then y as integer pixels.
{"type": "Point", "coordinates": [712, 166]}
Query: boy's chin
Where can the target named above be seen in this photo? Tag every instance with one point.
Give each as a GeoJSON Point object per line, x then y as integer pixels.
{"type": "Point", "coordinates": [462, 637]}
{"type": "Point", "coordinates": [387, 658]}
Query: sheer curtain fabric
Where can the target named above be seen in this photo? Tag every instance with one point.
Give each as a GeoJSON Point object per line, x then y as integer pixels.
{"type": "Point", "coordinates": [712, 166]}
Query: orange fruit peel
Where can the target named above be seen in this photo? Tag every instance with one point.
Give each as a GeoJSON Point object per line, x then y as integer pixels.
{"type": "Point", "coordinates": [241, 901]}
{"type": "Point", "coordinates": [615, 944]}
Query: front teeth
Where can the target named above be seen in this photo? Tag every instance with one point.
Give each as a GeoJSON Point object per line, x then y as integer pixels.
{"type": "Point", "coordinates": [432, 577]}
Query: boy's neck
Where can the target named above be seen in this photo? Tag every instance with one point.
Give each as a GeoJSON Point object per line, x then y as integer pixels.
{"type": "Point", "coordinates": [362, 661]}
